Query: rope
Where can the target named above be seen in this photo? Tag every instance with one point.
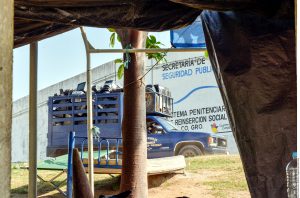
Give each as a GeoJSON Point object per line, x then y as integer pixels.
{"type": "Point", "coordinates": [127, 56]}
{"type": "Point", "coordinates": [141, 78]}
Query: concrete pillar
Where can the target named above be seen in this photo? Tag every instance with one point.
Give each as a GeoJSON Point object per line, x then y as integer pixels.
{"type": "Point", "coordinates": [6, 51]}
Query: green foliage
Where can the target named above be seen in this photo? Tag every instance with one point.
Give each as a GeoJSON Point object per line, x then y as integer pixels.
{"type": "Point", "coordinates": [112, 39]}
{"type": "Point", "coordinates": [119, 38]}
{"type": "Point", "coordinates": [151, 42]}
{"type": "Point", "coordinates": [118, 61]}
{"type": "Point", "coordinates": [111, 29]}
{"type": "Point", "coordinates": [206, 54]}
{"type": "Point", "coordinates": [121, 67]}
{"type": "Point", "coordinates": [113, 36]}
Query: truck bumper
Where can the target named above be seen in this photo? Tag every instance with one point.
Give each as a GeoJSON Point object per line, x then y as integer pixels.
{"type": "Point", "coordinates": [215, 150]}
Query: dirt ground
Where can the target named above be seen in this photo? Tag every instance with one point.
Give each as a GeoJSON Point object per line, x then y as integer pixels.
{"type": "Point", "coordinates": [190, 185]}
{"type": "Point", "coordinates": [206, 176]}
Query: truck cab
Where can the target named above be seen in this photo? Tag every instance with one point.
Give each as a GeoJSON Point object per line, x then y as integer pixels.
{"type": "Point", "coordinates": [165, 139]}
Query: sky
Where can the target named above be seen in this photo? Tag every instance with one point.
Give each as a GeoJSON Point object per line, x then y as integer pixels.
{"type": "Point", "coordinates": [63, 56]}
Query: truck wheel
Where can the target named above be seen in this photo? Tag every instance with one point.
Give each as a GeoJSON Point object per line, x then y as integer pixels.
{"type": "Point", "coordinates": [190, 151]}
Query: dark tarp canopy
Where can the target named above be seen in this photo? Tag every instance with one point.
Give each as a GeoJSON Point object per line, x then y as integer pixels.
{"type": "Point", "coordinates": [36, 19]}
{"type": "Point", "coordinates": [254, 62]}
{"type": "Point", "coordinates": [39, 19]}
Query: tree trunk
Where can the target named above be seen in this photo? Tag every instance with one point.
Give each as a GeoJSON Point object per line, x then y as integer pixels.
{"type": "Point", "coordinates": [134, 169]}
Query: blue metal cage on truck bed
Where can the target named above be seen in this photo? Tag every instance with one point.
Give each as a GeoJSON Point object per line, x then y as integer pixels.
{"type": "Point", "coordinates": [68, 113]}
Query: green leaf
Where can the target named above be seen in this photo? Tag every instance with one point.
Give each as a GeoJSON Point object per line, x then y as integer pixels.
{"type": "Point", "coordinates": [118, 38]}
{"type": "Point", "coordinates": [206, 54]}
{"type": "Point", "coordinates": [147, 43]}
{"type": "Point", "coordinates": [151, 42]}
{"type": "Point", "coordinates": [111, 29]}
{"type": "Point", "coordinates": [152, 39]}
{"type": "Point", "coordinates": [120, 71]}
{"type": "Point", "coordinates": [119, 60]}
{"type": "Point", "coordinates": [112, 40]}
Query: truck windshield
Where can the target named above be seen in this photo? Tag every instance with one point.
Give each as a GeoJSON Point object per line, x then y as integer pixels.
{"type": "Point", "coordinates": [167, 124]}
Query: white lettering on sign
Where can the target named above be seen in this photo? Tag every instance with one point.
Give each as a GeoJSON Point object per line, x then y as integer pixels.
{"type": "Point", "coordinates": [179, 69]}
{"type": "Point", "coordinates": [198, 105]}
{"type": "Point", "coordinates": [183, 63]}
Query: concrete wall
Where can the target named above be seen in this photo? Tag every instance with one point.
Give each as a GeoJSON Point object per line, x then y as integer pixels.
{"type": "Point", "coordinates": [20, 112]}
{"type": "Point", "coordinates": [20, 108]}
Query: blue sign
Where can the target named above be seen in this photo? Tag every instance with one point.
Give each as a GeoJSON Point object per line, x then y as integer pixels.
{"type": "Point", "coordinates": [190, 36]}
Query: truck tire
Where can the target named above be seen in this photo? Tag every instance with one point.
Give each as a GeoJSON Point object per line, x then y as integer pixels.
{"type": "Point", "coordinates": [190, 151]}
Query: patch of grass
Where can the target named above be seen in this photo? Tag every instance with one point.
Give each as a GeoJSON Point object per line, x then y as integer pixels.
{"type": "Point", "coordinates": [223, 185]}
{"type": "Point", "coordinates": [214, 162]}
{"type": "Point", "coordinates": [107, 182]}
{"type": "Point", "coordinates": [221, 188]}
{"type": "Point", "coordinates": [19, 181]}
{"type": "Point", "coordinates": [20, 190]}
{"type": "Point", "coordinates": [18, 165]}
{"type": "Point", "coordinates": [230, 176]}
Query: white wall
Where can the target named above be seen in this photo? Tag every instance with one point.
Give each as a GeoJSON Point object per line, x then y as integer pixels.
{"type": "Point", "coordinates": [21, 113]}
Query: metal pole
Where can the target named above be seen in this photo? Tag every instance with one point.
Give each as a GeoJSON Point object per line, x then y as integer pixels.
{"type": "Point", "coordinates": [70, 164]}
{"type": "Point", "coordinates": [32, 189]}
{"type": "Point", "coordinates": [89, 112]}
{"type": "Point", "coordinates": [152, 72]}
{"type": "Point", "coordinates": [147, 50]}
{"type": "Point", "coordinates": [115, 72]}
